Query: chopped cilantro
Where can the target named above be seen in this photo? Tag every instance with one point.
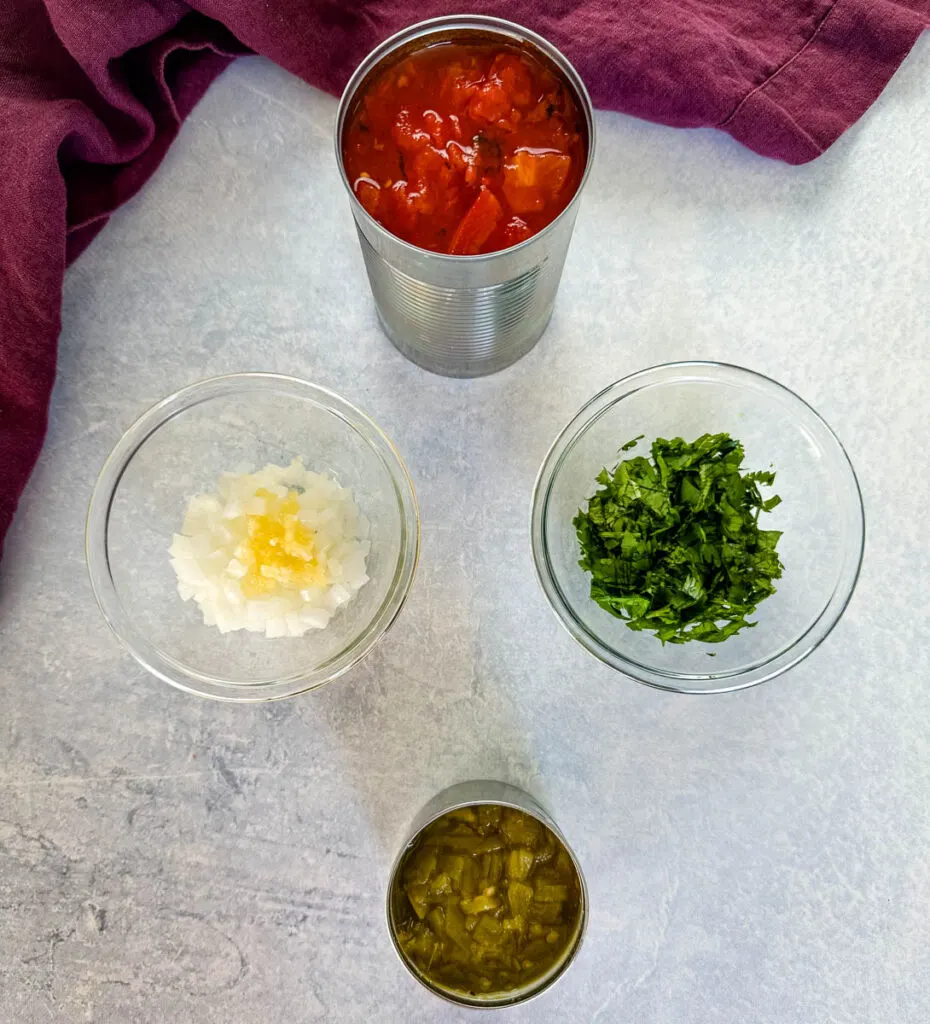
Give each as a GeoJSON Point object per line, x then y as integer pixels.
{"type": "Point", "coordinates": [673, 543]}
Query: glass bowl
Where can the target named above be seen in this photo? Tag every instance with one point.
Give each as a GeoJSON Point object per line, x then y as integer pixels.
{"type": "Point", "coordinates": [180, 448]}
{"type": "Point", "coordinates": [821, 517]}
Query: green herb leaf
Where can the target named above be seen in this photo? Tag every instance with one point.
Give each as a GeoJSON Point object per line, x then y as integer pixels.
{"type": "Point", "coordinates": [673, 544]}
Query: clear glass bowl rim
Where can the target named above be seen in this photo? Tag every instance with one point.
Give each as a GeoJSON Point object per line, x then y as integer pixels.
{"type": "Point", "coordinates": [98, 515]}
{"type": "Point", "coordinates": [565, 441]}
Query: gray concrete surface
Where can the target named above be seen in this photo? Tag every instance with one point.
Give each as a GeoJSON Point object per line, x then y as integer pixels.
{"type": "Point", "coordinates": [759, 858]}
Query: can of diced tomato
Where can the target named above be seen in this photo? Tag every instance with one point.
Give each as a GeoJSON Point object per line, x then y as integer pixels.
{"type": "Point", "coordinates": [468, 312]}
{"type": "Point", "coordinates": [466, 797]}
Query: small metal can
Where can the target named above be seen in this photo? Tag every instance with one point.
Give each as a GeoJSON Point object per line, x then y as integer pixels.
{"type": "Point", "coordinates": [469, 794]}
{"type": "Point", "coordinates": [464, 316]}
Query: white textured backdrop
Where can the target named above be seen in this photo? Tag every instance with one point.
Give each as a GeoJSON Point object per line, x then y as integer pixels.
{"type": "Point", "coordinates": [759, 858]}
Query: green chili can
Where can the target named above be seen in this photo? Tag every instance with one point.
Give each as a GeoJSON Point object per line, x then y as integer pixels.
{"type": "Point", "coordinates": [500, 937]}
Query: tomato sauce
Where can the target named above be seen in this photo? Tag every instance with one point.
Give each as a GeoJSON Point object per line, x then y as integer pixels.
{"type": "Point", "coordinates": [465, 148]}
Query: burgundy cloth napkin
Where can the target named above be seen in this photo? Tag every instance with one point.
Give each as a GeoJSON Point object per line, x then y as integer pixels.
{"type": "Point", "coordinates": [92, 92]}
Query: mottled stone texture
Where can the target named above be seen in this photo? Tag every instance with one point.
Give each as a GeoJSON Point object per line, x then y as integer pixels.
{"type": "Point", "coordinates": [753, 859]}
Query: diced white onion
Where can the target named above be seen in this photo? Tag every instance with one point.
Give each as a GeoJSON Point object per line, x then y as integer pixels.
{"type": "Point", "coordinates": [210, 557]}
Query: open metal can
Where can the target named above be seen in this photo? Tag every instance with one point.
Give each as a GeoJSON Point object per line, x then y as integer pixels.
{"type": "Point", "coordinates": [458, 797]}
{"type": "Point", "coordinates": [464, 316]}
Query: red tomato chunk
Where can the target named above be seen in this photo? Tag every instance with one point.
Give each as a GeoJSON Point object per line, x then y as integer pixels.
{"type": "Point", "coordinates": [465, 148]}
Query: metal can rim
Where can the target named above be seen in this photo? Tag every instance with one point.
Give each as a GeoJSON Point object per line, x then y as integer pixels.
{"type": "Point", "coordinates": [509, 29]}
{"type": "Point", "coordinates": [536, 810]}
